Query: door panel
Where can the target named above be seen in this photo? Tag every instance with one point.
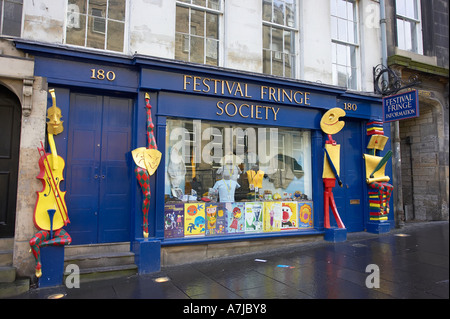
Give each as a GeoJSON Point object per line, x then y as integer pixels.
{"type": "Point", "coordinates": [10, 122]}
{"type": "Point", "coordinates": [349, 198]}
{"type": "Point", "coordinates": [98, 177]}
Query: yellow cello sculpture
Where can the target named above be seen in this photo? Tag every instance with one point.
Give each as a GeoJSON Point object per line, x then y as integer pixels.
{"type": "Point", "coordinates": [50, 212]}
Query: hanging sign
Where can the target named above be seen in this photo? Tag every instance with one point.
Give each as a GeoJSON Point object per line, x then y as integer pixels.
{"type": "Point", "coordinates": [401, 106]}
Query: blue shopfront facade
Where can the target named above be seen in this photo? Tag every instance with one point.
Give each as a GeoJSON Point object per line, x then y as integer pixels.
{"type": "Point", "coordinates": [102, 99]}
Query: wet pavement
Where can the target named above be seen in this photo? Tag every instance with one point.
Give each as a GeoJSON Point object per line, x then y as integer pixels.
{"type": "Point", "coordinates": [413, 263]}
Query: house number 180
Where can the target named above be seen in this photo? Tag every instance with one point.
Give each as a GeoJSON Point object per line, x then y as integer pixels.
{"type": "Point", "coordinates": [100, 74]}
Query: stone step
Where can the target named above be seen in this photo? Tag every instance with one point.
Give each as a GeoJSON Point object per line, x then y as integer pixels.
{"type": "Point", "coordinates": [7, 274]}
{"type": "Point", "coordinates": [11, 289]}
{"type": "Point", "coordinates": [101, 261]}
{"type": "Point", "coordinates": [6, 243]}
{"type": "Point", "coordinates": [6, 258]}
{"type": "Point", "coordinates": [105, 272]}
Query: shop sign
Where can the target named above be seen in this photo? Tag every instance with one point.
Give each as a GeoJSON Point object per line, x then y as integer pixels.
{"type": "Point", "coordinates": [401, 106]}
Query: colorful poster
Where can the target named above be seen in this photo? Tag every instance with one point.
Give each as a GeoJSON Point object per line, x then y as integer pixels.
{"type": "Point", "coordinates": [289, 216]}
{"type": "Point", "coordinates": [235, 217]}
{"type": "Point", "coordinates": [194, 219]}
{"type": "Point", "coordinates": [305, 215]}
{"type": "Point", "coordinates": [216, 221]}
{"type": "Point", "coordinates": [254, 217]}
{"type": "Point", "coordinates": [174, 220]}
{"type": "Point", "coordinates": [272, 216]}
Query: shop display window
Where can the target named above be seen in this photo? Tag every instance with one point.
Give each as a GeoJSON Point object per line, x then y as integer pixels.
{"type": "Point", "coordinates": [225, 179]}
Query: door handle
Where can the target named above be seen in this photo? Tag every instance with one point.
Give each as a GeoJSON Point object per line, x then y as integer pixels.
{"type": "Point", "coordinates": [103, 176]}
{"type": "Point", "coordinates": [95, 176]}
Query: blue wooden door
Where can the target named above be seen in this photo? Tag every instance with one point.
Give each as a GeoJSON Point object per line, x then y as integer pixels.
{"type": "Point", "coordinates": [98, 177]}
{"type": "Point", "coordinates": [349, 198]}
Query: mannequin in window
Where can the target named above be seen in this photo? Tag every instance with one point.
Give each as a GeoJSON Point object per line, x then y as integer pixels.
{"type": "Point", "coordinates": [226, 188]}
{"type": "Point", "coordinates": [255, 177]}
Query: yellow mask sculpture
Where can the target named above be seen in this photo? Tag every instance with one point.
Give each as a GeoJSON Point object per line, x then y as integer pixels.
{"type": "Point", "coordinates": [148, 159]}
{"type": "Point", "coordinates": [330, 123]}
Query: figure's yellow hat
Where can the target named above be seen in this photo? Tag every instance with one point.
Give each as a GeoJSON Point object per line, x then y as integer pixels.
{"type": "Point", "coordinates": [330, 123]}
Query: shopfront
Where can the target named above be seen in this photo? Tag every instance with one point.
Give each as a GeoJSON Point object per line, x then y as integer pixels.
{"type": "Point", "coordinates": [242, 153]}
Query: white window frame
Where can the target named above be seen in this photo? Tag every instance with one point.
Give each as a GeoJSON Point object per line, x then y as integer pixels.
{"type": "Point", "coordinates": [295, 42]}
{"type": "Point", "coordinates": [415, 32]}
{"type": "Point", "coordinates": [125, 31]}
{"type": "Point", "coordinates": [188, 35]}
{"type": "Point", "coordinates": [355, 65]}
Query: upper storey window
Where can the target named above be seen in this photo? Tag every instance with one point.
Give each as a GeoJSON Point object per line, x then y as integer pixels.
{"type": "Point", "coordinates": [279, 34]}
{"type": "Point", "coordinates": [344, 38]}
{"type": "Point", "coordinates": [11, 17]}
{"type": "Point", "coordinates": [197, 37]}
{"type": "Point", "coordinates": [98, 24]}
{"type": "Point", "coordinates": [409, 35]}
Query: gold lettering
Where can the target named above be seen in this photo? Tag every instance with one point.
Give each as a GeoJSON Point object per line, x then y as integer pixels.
{"type": "Point", "coordinates": [246, 92]}
{"type": "Point", "coordinates": [230, 90]}
{"type": "Point", "coordinates": [307, 98]}
{"type": "Point", "coordinates": [196, 84]}
{"type": "Point", "coordinates": [206, 84]}
{"type": "Point", "coordinates": [220, 108]}
{"type": "Point", "coordinates": [272, 93]}
{"type": "Point", "coordinates": [263, 92]}
{"type": "Point", "coordinates": [235, 109]}
{"type": "Point", "coordinates": [215, 85]}
{"type": "Point", "coordinates": [285, 94]}
{"type": "Point", "coordinates": [258, 112]}
{"type": "Point", "coordinates": [275, 113]}
{"type": "Point", "coordinates": [267, 112]}
{"type": "Point", "coordinates": [295, 97]}
{"type": "Point", "coordinates": [239, 89]}
{"type": "Point", "coordinates": [186, 82]}
{"type": "Point", "coordinates": [240, 110]}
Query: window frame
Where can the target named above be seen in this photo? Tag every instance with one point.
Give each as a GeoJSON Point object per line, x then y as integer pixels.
{"type": "Point", "coordinates": [92, 26]}
{"type": "Point", "coordinates": [295, 34]}
{"type": "Point", "coordinates": [188, 36]}
{"type": "Point", "coordinates": [2, 17]}
{"type": "Point", "coordinates": [355, 61]}
{"type": "Point", "coordinates": [415, 31]}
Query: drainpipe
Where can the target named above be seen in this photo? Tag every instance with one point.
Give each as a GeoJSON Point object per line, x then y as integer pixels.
{"type": "Point", "coordinates": [399, 214]}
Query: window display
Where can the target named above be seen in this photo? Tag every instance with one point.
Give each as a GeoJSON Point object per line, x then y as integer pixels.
{"type": "Point", "coordinates": [241, 179]}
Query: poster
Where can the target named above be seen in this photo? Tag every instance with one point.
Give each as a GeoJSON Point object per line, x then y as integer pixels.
{"type": "Point", "coordinates": [305, 215]}
{"type": "Point", "coordinates": [272, 216]}
{"type": "Point", "coordinates": [254, 217]}
{"type": "Point", "coordinates": [289, 216]}
{"type": "Point", "coordinates": [174, 220]}
{"type": "Point", "coordinates": [194, 219]}
{"type": "Point", "coordinates": [234, 213]}
{"type": "Point", "coordinates": [216, 221]}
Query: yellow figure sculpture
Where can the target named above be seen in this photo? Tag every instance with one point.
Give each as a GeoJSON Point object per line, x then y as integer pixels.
{"type": "Point", "coordinates": [330, 124]}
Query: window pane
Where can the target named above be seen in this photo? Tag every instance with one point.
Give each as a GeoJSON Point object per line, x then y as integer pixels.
{"type": "Point", "coordinates": [115, 35]}
{"type": "Point", "coordinates": [342, 30]}
{"type": "Point", "coordinates": [267, 58]}
{"type": "Point", "coordinates": [181, 47]}
{"type": "Point", "coordinates": [212, 26]}
{"type": "Point", "coordinates": [76, 30]}
{"type": "Point", "coordinates": [267, 10]}
{"type": "Point", "coordinates": [288, 64]}
{"type": "Point", "coordinates": [266, 37]}
{"type": "Point", "coordinates": [182, 22]}
{"type": "Point", "coordinates": [198, 23]}
{"type": "Point", "coordinates": [288, 40]}
{"type": "Point", "coordinates": [290, 13]}
{"type": "Point", "coordinates": [341, 9]}
{"type": "Point", "coordinates": [214, 4]}
{"type": "Point", "coordinates": [96, 38]}
{"type": "Point", "coordinates": [197, 50]}
{"type": "Point", "coordinates": [199, 2]}
{"type": "Point", "coordinates": [12, 18]}
{"type": "Point", "coordinates": [278, 12]}
{"type": "Point", "coordinates": [277, 63]}
{"type": "Point", "coordinates": [411, 11]}
{"type": "Point", "coordinates": [334, 27]}
{"type": "Point", "coordinates": [277, 39]}
{"type": "Point", "coordinates": [77, 6]}
{"type": "Point", "coordinates": [212, 52]}
{"type": "Point", "coordinates": [116, 10]}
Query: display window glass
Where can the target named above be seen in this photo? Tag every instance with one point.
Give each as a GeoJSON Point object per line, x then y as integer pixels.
{"type": "Point", "coordinates": [225, 178]}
